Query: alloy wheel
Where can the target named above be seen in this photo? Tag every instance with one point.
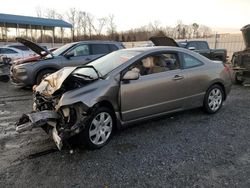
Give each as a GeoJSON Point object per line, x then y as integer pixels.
{"type": "Point", "coordinates": [215, 99]}
{"type": "Point", "coordinates": [100, 128]}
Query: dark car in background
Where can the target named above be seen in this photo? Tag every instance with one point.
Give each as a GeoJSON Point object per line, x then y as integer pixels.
{"type": "Point", "coordinates": [203, 48]}
{"type": "Point", "coordinates": [72, 54]}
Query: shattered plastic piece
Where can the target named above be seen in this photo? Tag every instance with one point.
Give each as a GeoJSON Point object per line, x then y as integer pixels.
{"type": "Point", "coordinates": [34, 120]}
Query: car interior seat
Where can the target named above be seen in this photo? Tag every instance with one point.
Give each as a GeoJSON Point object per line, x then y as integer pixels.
{"type": "Point", "coordinates": [148, 64]}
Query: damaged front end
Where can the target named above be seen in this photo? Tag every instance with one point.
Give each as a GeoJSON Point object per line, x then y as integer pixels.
{"type": "Point", "coordinates": [62, 122]}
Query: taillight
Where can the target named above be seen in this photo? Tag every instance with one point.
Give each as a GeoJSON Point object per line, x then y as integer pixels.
{"type": "Point", "coordinates": [226, 68]}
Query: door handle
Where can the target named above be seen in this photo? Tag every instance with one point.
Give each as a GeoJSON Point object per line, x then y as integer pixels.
{"type": "Point", "coordinates": [177, 77]}
{"type": "Point", "coordinates": [88, 59]}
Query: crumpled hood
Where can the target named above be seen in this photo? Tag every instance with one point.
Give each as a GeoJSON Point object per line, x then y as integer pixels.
{"type": "Point", "coordinates": [53, 82]}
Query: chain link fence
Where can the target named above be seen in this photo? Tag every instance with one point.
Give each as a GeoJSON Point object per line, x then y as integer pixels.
{"type": "Point", "coordinates": [231, 42]}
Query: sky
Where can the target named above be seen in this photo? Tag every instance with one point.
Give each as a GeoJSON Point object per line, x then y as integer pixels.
{"type": "Point", "coordinates": [228, 15]}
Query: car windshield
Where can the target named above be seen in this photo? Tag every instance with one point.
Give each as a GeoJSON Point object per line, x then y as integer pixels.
{"type": "Point", "coordinates": [60, 50]}
{"type": "Point", "coordinates": [107, 63]}
{"type": "Point", "coordinates": [182, 44]}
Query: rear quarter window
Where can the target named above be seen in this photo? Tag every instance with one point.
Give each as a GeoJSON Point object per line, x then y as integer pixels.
{"type": "Point", "coordinates": [190, 61]}
{"type": "Point", "coordinates": [113, 47]}
{"type": "Point", "coordinates": [100, 49]}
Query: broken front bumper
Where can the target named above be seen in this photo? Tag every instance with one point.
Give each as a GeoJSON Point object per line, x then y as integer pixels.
{"type": "Point", "coordinates": [52, 122]}
{"type": "Point", "coordinates": [34, 120]}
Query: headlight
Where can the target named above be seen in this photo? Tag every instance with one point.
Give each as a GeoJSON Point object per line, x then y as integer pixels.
{"type": "Point", "coordinates": [20, 70]}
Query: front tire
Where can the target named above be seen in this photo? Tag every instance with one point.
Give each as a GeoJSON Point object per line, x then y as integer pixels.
{"type": "Point", "coordinates": [213, 100]}
{"type": "Point", "coordinates": [99, 128]}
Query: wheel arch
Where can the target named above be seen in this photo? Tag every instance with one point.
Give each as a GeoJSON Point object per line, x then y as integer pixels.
{"type": "Point", "coordinates": [43, 69]}
{"type": "Point", "coordinates": [108, 104]}
{"type": "Point", "coordinates": [105, 103]}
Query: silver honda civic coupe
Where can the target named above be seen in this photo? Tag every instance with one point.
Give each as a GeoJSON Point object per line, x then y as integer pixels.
{"type": "Point", "coordinates": [124, 87]}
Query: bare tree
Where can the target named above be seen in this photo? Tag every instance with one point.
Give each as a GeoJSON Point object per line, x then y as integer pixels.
{"type": "Point", "coordinates": [81, 23]}
{"type": "Point", "coordinates": [111, 26]}
{"type": "Point", "coordinates": [101, 24]}
{"type": "Point", "coordinates": [90, 19]}
{"type": "Point", "coordinates": [204, 31]}
{"type": "Point", "coordinates": [155, 26]}
{"type": "Point", "coordinates": [195, 29]}
{"type": "Point", "coordinates": [50, 13]}
{"type": "Point", "coordinates": [72, 20]}
{"type": "Point", "coordinates": [39, 12]}
{"type": "Point", "coordinates": [169, 31]}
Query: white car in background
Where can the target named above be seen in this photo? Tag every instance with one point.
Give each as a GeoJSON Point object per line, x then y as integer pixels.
{"type": "Point", "coordinates": [14, 53]}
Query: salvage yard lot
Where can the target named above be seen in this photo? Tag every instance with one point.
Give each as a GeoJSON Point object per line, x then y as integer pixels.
{"type": "Point", "coordinates": [187, 149]}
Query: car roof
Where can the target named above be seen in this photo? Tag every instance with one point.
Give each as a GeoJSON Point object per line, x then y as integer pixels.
{"type": "Point", "coordinates": [185, 41]}
{"type": "Point", "coordinates": [10, 48]}
{"type": "Point", "coordinates": [155, 49]}
{"type": "Point", "coordinates": [97, 42]}
{"type": "Point", "coordinates": [165, 48]}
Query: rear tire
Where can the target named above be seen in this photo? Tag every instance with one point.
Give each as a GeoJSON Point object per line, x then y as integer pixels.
{"type": "Point", "coordinates": [99, 128]}
{"type": "Point", "coordinates": [44, 73]}
{"type": "Point", "coordinates": [213, 99]}
{"type": "Point", "coordinates": [237, 80]}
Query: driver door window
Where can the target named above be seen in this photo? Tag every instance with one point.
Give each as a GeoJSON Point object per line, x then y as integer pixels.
{"type": "Point", "coordinates": [156, 64]}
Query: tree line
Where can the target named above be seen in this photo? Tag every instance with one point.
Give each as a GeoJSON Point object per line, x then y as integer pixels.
{"type": "Point", "coordinates": [86, 26]}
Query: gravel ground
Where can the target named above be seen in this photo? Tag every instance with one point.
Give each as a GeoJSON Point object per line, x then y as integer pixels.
{"type": "Point", "coordinates": [188, 149]}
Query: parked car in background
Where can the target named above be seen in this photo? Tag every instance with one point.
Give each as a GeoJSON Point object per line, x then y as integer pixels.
{"type": "Point", "coordinates": [32, 58]}
{"type": "Point", "coordinates": [72, 54]}
{"type": "Point", "coordinates": [124, 87]}
{"type": "Point", "coordinates": [4, 68]}
{"type": "Point", "coordinates": [19, 47]}
{"type": "Point", "coordinates": [14, 53]}
{"type": "Point", "coordinates": [202, 48]}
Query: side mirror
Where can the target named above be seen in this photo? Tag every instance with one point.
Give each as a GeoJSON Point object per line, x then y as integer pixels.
{"type": "Point", "coordinates": [131, 75]}
{"type": "Point", "coordinates": [191, 48]}
{"type": "Point", "coordinates": [69, 55]}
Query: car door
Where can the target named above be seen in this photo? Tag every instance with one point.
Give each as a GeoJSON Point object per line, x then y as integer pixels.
{"type": "Point", "coordinates": [79, 55]}
{"type": "Point", "coordinates": [157, 92]}
{"type": "Point", "coordinates": [196, 82]}
{"type": "Point", "coordinates": [203, 48]}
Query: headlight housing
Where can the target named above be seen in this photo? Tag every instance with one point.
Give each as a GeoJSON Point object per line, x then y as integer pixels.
{"type": "Point", "coordinates": [19, 70]}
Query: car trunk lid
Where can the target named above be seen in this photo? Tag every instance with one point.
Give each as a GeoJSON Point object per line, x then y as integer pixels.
{"type": "Point", "coordinates": [163, 41]}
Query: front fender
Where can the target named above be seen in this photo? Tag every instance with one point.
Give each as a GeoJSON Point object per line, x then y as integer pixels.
{"type": "Point", "coordinates": [89, 96]}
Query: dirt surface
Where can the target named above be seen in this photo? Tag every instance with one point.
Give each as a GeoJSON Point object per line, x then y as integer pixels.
{"type": "Point", "coordinates": [188, 149]}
